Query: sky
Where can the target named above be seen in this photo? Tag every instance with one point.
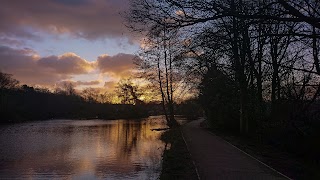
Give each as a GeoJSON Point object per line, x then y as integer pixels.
{"type": "Point", "coordinates": [46, 42]}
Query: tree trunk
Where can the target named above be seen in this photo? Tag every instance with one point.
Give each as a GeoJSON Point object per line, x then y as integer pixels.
{"type": "Point", "coordinates": [275, 74]}
{"type": "Point", "coordinates": [171, 122]}
{"type": "Point", "coordinates": [239, 73]}
{"type": "Point", "coordinates": [161, 90]}
{"type": "Point", "coordinates": [315, 51]}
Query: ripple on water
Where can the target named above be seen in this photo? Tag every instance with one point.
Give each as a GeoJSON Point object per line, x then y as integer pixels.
{"type": "Point", "coordinates": [82, 149]}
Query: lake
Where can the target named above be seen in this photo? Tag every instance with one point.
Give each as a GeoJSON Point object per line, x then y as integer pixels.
{"type": "Point", "coordinates": [82, 149]}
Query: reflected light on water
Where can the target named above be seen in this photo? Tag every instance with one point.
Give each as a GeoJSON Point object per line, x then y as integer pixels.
{"type": "Point", "coordinates": [75, 149]}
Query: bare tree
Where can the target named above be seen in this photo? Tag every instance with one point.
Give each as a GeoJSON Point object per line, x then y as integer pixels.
{"type": "Point", "coordinates": [68, 88]}
{"type": "Point", "coordinates": [128, 92]}
{"type": "Point", "coordinates": [250, 41]}
{"type": "Point", "coordinates": [7, 82]}
{"type": "Point", "coordinates": [161, 63]}
{"type": "Point", "coordinates": [90, 94]}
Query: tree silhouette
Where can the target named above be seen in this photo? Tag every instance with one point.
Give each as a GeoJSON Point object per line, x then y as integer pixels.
{"type": "Point", "coordinates": [7, 82]}
{"type": "Point", "coordinates": [128, 92]}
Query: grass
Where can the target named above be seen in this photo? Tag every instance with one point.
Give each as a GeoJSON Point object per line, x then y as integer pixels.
{"type": "Point", "coordinates": [176, 163]}
{"type": "Point", "coordinates": [291, 165]}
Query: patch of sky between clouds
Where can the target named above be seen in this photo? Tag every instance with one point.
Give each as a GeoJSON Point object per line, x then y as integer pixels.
{"type": "Point", "coordinates": [88, 49]}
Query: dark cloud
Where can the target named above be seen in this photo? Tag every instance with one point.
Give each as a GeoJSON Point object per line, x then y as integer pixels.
{"type": "Point", "coordinates": [83, 18]}
{"type": "Point", "coordinates": [29, 68]}
{"type": "Point", "coordinates": [118, 65]}
{"type": "Point", "coordinates": [22, 63]}
{"type": "Point", "coordinates": [16, 59]}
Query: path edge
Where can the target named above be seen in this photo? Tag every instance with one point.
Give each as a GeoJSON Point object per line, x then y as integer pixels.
{"type": "Point", "coordinates": [194, 164]}
{"type": "Point", "coordinates": [249, 155]}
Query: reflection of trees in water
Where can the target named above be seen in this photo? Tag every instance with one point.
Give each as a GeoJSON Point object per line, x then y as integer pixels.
{"type": "Point", "coordinates": [99, 147]}
{"type": "Point", "coordinates": [129, 135]}
{"type": "Point", "coordinates": [133, 148]}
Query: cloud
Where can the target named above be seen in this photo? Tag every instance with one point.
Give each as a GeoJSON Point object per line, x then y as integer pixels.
{"type": "Point", "coordinates": [87, 83]}
{"type": "Point", "coordinates": [22, 63]}
{"type": "Point", "coordinates": [12, 42]}
{"type": "Point", "coordinates": [110, 84]}
{"type": "Point", "coordinates": [117, 65]}
{"type": "Point", "coordinates": [68, 63]}
{"type": "Point", "coordinates": [81, 18]}
{"type": "Point", "coordinates": [79, 83]}
{"type": "Point", "coordinates": [72, 2]}
{"type": "Point", "coordinates": [27, 67]}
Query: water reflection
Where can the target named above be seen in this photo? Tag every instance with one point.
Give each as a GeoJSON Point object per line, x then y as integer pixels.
{"type": "Point", "coordinates": [71, 149]}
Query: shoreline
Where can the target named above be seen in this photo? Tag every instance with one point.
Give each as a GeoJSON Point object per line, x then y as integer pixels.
{"type": "Point", "coordinates": [176, 159]}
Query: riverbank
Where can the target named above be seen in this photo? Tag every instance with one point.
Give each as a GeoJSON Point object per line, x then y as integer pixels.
{"type": "Point", "coordinates": [176, 159]}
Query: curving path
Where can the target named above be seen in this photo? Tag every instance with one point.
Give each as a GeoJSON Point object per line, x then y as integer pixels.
{"type": "Point", "coordinates": [215, 158]}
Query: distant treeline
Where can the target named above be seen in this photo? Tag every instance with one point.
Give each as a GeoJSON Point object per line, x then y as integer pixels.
{"type": "Point", "coordinates": [25, 103]}
{"type": "Point", "coordinates": [18, 105]}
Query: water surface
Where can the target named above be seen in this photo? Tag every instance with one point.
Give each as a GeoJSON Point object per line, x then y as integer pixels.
{"type": "Point", "coordinates": [82, 149]}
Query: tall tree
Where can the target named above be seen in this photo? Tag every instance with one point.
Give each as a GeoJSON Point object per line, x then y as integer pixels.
{"type": "Point", "coordinates": [248, 40]}
{"type": "Point", "coordinates": [160, 62]}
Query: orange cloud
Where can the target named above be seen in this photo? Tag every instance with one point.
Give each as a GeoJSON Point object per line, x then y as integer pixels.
{"type": "Point", "coordinates": [68, 63]}
{"type": "Point", "coordinates": [29, 68]}
{"type": "Point", "coordinates": [110, 84]}
{"type": "Point", "coordinates": [119, 65]}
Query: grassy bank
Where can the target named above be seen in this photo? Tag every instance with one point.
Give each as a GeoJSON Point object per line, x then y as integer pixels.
{"type": "Point", "coordinates": [289, 164]}
{"type": "Point", "coordinates": [176, 163]}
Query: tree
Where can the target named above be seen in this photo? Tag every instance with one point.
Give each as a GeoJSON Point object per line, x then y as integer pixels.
{"type": "Point", "coordinates": [68, 88]}
{"type": "Point", "coordinates": [174, 15]}
{"type": "Point", "coordinates": [90, 95]}
{"type": "Point", "coordinates": [250, 41]}
{"type": "Point", "coordinates": [218, 97]}
{"type": "Point", "coordinates": [7, 82]}
{"type": "Point", "coordinates": [128, 92]}
{"type": "Point", "coordinates": [161, 63]}
{"type": "Point", "coordinates": [298, 10]}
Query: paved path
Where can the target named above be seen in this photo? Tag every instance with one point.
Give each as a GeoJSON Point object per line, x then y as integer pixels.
{"type": "Point", "coordinates": [217, 159]}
